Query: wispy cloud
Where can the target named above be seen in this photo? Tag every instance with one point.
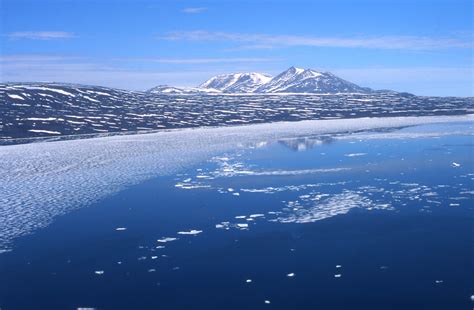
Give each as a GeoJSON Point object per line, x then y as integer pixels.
{"type": "Point", "coordinates": [41, 35]}
{"type": "Point", "coordinates": [262, 41]}
{"type": "Point", "coordinates": [194, 10]}
{"type": "Point", "coordinates": [208, 60]}
{"type": "Point", "coordinates": [110, 72]}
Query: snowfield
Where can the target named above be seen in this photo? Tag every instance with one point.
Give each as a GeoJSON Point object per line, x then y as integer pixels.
{"type": "Point", "coordinates": [40, 181]}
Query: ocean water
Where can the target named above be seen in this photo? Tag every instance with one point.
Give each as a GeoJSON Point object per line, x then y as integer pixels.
{"type": "Point", "coordinates": [378, 219]}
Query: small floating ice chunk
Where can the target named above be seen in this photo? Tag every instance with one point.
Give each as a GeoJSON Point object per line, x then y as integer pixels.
{"type": "Point", "coordinates": [337, 275]}
{"type": "Point", "coordinates": [230, 189]}
{"type": "Point", "coordinates": [240, 225]}
{"type": "Point", "coordinates": [191, 232]}
{"type": "Point", "coordinates": [201, 176]}
{"type": "Point", "coordinates": [291, 275]}
{"type": "Point", "coordinates": [223, 225]}
{"type": "Point", "coordinates": [248, 281]}
{"type": "Point", "coordinates": [256, 215]}
{"type": "Point", "coordinates": [152, 270]}
{"type": "Point", "coordinates": [240, 217]}
{"type": "Point", "coordinates": [99, 272]}
{"type": "Point", "coordinates": [438, 281]}
{"type": "Point", "coordinates": [267, 302]}
{"type": "Point", "coordinates": [166, 239]}
{"type": "Point", "coordinates": [338, 266]}
{"type": "Point", "coordinates": [120, 228]}
{"type": "Point", "coordinates": [454, 164]}
{"type": "Point", "coordinates": [236, 194]}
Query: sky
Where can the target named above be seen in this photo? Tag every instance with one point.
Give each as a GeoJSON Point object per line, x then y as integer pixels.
{"type": "Point", "coordinates": [423, 47]}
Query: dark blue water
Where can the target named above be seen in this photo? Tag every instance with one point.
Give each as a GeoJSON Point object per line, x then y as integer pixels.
{"type": "Point", "coordinates": [333, 223]}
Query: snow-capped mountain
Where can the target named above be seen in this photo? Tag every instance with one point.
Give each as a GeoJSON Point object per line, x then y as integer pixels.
{"type": "Point", "coordinates": [297, 80]}
{"type": "Point", "coordinates": [166, 89]}
{"type": "Point", "coordinates": [292, 80]}
{"type": "Point", "coordinates": [237, 82]}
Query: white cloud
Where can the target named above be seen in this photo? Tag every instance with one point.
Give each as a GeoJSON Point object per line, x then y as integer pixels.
{"type": "Point", "coordinates": [41, 35]}
{"type": "Point", "coordinates": [66, 69]}
{"type": "Point", "coordinates": [209, 60]}
{"type": "Point", "coordinates": [194, 10]}
{"type": "Point", "coordinates": [261, 41]}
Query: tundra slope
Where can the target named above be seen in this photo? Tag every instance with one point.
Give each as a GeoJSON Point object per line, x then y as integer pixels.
{"type": "Point", "coordinates": [32, 110]}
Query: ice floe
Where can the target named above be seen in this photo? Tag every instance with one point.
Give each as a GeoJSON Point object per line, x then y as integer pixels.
{"type": "Point", "coordinates": [166, 239]}
{"type": "Point", "coordinates": [311, 210]}
{"type": "Point", "coordinates": [190, 232]}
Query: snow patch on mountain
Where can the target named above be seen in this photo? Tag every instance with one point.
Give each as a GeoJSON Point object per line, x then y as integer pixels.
{"type": "Point", "coordinates": [166, 89]}
{"type": "Point", "coordinates": [237, 82]}
{"type": "Point", "coordinates": [297, 80]}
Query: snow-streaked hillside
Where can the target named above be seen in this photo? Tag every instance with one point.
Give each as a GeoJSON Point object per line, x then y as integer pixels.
{"type": "Point", "coordinates": [29, 110]}
{"type": "Point", "coordinates": [292, 80]}
{"type": "Point", "coordinates": [166, 89]}
{"type": "Point", "coordinates": [236, 82]}
{"type": "Point", "coordinates": [297, 80]}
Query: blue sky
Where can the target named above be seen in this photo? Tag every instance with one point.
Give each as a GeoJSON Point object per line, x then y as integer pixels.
{"type": "Point", "coordinates": [424, 47]}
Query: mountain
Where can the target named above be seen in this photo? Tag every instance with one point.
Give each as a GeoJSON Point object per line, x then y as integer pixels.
{"type": "Point", "coordinates": [236, 82]}
{"type": "Point", "coordinates": [297, 80]}
{"type": "Point", "coordinates": [166, 89]}
{"type": "Point", "coordinates": [292, 80]}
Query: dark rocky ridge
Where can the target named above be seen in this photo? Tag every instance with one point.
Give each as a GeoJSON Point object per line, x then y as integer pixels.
{"type": "Point", "coordinates": [29, 110]}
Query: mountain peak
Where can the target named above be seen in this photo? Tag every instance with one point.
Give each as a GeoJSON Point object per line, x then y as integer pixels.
{"type": "Point", "coordinates": [292, 80]}
{"type": "Point", "coordinates": [237, 82]}
{"type": "Point", "coordinates": [295, 70]}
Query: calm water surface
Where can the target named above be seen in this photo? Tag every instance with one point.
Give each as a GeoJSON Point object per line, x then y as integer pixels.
{"type": "Point", "coordinates": [366, 221]}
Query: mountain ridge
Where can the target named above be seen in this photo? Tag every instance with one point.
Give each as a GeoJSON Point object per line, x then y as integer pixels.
{"type": "Point", "coordinates": [293, 80]}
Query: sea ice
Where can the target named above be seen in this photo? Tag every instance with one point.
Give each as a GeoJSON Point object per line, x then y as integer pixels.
{"type": "Point", "coordinates": [41, 181]}
{"type": "Point", "coordinates": [191, 232]}
{"type": "Point", "coordinates": [166, 239]}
